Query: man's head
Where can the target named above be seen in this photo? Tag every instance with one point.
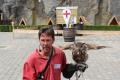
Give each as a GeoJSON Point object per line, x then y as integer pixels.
{"type": "Point", "coordinates": [49, 31]}
{"type": "Point", "coordinates": [46, 38]}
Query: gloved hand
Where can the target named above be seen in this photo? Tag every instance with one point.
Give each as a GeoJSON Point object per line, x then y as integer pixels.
{"type": "Point", "coordinates": [71, 68]}
{"type": "Point", "coordinates": [81, 67]}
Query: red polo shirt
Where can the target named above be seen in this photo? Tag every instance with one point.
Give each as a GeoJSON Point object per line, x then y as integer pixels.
{"type": "Point", "coordinates": [36, 63]}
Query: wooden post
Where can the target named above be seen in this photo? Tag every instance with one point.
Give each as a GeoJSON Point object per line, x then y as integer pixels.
{"type": "Point", "coordinates": [12, 23]}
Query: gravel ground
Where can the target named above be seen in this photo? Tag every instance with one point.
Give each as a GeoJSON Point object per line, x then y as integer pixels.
{"type": "Point", "coordinates": [104, 64]}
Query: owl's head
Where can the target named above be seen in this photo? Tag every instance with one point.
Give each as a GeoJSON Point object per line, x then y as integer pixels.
{"type": "Point", "coordinates": [79, 52]}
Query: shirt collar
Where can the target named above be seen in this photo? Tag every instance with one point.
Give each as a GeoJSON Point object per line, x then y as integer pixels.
{"type": "Point", "coordinates": [41, 56]}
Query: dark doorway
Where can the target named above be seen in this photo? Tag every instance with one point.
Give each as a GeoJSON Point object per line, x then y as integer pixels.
{"type": "Point", "coordinates": [50, 22]}
{"type": "Point", "coordinates": [114, 22]}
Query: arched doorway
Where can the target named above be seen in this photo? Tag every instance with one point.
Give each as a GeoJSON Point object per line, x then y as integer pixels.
{"type": "Point", "coordinates": [50, 22]}
{"type": "Point", "coordinates": [113, 21]}
{"type": "Point", "coordinates": [22, 22]}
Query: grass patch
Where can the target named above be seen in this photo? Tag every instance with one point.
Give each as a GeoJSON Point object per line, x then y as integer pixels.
{"type": "Point", "coordinates": [102, 27]}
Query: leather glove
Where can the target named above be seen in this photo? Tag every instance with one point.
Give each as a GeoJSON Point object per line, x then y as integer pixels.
{"type": "Point", "coordinates": [81, 67]}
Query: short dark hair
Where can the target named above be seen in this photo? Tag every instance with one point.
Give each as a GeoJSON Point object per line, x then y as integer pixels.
{"type": "Point", "coordinates": [48, 30]}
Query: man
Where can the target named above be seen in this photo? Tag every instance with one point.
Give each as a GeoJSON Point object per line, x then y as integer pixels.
{"type": "Point", "coordinates": [34, 66]}
{"type": "Point", "coordinates": [37, 60]}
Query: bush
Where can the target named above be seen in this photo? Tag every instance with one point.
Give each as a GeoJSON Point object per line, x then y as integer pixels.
{"type": "Point", "coordinates": [101, 27]}
{"type": "Point", "coordinates": [29, 27]}
{"type": "Point", "coordinates": [6, 28]}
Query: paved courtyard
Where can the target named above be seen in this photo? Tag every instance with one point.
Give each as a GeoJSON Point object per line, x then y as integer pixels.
{"type": "Point", "coordinates": [104, 64]}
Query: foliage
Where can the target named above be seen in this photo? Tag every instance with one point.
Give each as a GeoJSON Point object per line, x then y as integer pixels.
{"type": "Point", "coordinates": [30, 27]}
{"type": "Point", "coordinates": [9, 28]}
{"type": "Point", "coordinates": [6, 28]}
{"type": "Point", "coordinates": [102, 27]}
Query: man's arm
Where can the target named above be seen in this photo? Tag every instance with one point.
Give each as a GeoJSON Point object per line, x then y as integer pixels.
{"type": "Point", "coordinates": [28, 72]}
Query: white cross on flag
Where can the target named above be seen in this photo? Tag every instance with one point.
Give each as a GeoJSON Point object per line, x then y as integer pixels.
{"type": "Point", "coordinates": [66, 15]}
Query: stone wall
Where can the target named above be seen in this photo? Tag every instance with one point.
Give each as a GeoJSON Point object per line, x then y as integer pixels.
{"type": "Point", "coordinates": [39, 12]}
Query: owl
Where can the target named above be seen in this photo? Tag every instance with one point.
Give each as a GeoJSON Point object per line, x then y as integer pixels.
{"type": "Point", "coordinates": [79, 52]}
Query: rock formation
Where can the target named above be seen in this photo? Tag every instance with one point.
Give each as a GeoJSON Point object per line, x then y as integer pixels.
{"type": "Point", "coordinates": [38, 12]}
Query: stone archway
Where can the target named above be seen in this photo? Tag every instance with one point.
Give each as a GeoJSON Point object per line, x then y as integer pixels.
{"type": "Point", "coordinates": [113, 21]}
{"type": "Point", "coordinates": [50, 22]}
{"type": "Point", "coordinates": [22, 22]}
{"type": "Point", "coordinates": [83, 20]}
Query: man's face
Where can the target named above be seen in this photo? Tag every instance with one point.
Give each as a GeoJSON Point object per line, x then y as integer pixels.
{"type": "Point", "coordinates": [46, 42]}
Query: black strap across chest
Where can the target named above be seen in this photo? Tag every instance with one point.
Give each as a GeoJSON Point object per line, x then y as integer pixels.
{"type": "Point", "coordinates": [48, 62]}
{"type": "Point", "coordinates": [40, 74]}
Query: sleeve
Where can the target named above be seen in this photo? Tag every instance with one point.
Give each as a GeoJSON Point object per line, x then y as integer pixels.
{"type": "Point", "coordinates": [28, 72]}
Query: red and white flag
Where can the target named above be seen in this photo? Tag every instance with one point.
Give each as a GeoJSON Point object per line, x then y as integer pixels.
{"type": "Point", "coordinates": [66, 16]}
